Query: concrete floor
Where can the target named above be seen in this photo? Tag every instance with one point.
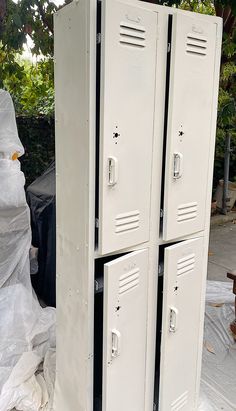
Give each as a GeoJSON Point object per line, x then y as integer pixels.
{"type": "Point", "coordinates": [222, 251]}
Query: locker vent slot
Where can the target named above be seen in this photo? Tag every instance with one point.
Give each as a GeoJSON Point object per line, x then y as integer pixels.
{"type": "Point", "coordinates": [180, 402]}
{"type": "Point", "coordinates": [186, 264]}
{"type": "Point", "coordinates": [132, 35]}
{"type": "Point", "coordinates": [129, 281]}
{"type": "Point", "coordinates": [187, 212]}
{"type": "Point", "coordinates": [196, 45]}
{"type": "Point", "coordinates": [127, 221]}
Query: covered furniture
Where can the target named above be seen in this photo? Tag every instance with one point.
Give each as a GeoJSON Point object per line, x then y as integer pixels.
{"type": "Point", "coordinates": [41, 199]}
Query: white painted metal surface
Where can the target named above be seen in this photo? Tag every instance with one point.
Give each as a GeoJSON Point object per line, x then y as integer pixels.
{"type": "Point", "coordinates": [133, 100]}
{"type": "Point", "coordinates": [125, 332]}
{"type": "Point", "coordinates": [75, 83]}
{"type": "Point", "coordinates": [189, 125]}
{"type": "Point", "coordinates": [183, 271]}
{"type": "Point", "coordinates": [129, 36]}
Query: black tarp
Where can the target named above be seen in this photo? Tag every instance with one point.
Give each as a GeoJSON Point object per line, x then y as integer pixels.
{"type": "Point", "coordinates": [41, 197]}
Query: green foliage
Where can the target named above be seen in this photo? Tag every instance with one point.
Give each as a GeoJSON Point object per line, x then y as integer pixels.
{"type": "Point", "coordinates": [204, 7]}
{"type": "Point", "coordinates": [31, 86]}
{"type": "Point", "coordinates": [226, 111]}
{"type": "Point", "coordinates": [227, 106]}
{"type": "Point", "coordinates": [28, 17]}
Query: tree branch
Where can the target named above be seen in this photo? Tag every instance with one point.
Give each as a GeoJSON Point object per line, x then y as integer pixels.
{"type": "Point", "coordinates": [3, 10]}
{"type": "Point", "coordinates": [229, 26]}
{"type": "Point", "coordinates": [47, 23]}
{"type": "Point", "coordinates": [219, 9]}
{"type": "Point", "coordinates": [227, 14]}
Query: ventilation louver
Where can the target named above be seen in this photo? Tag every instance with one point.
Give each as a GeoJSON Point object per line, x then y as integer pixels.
{"type": "Point", "coordinates": [132, 35]}
{"type": "Point", "coordinates": [127, 221]}
{"type": "Point", "coordinates": [187, 212]}
{"type": "Point", "coordinates": [196, 45]}
{"type": "Point", "coordinates": [186, 264]}
{"type": "Point", "coordinates": [180, 402]}
{"type": "Point", "coordinates": [129, 281]}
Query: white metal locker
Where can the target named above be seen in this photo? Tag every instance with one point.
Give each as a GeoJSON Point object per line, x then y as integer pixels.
{"type": "Point", "coordinates": [132, 104]}
{"type": "Point", "coordinates": [183, 273]}
{"type": "Point", "coordinates": [189, 125]}
{"type": "Point", "coordinates": [128, 61]}
{"type": "Point", "coordinates": [125, 332]}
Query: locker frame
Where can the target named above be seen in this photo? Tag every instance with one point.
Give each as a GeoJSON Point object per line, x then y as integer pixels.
{"type": "Point", "coordinates": [76, 196]}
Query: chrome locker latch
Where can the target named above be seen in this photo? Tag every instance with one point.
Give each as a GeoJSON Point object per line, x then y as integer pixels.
{"type": "Point", "coordinates": [112, 171]}
{"type": "Point", "coordinates": [178, 166]}
{"type": "Point", "coordinates": [116, 341]}
{"type": "Point", "coordinates": [173, 320]}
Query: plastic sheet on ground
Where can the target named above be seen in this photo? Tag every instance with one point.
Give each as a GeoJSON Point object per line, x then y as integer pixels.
{"type": "Point", "coordinates": [218, 379]}
{"type": "Point", "coordinates": [27, 331]}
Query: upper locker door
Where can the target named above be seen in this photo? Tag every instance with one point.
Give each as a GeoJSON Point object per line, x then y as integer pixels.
{"type": "Point", "coordinates": [189, 125]}
{"type": "Point", "coordinates": [128, 61]}
{"type": "Point", "coordinates": [183, 276]}
{"type": "Point", "coordinates": [125, 332]}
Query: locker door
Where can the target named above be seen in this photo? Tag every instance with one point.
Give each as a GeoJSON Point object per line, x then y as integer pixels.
{"type": "Point", "coordinates": [125, 323]}
{"type": "Point", "coordinates": [189, 125]}
{"type": "Point", "coordinates": [128, 63]}
{"type": "Point", "coordinates": [180, 325]}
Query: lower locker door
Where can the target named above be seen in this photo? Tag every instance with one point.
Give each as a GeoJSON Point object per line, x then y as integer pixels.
{"type": "Point", "coordinates": [125, 324]}
{"type": "Point", "coordinates": [183, 276]}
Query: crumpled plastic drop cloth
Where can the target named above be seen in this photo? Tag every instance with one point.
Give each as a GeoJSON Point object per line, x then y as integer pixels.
{"type": "Point", "coordinates": [27, 331]}
{"type": "Point", "coordinates": [218, 380]}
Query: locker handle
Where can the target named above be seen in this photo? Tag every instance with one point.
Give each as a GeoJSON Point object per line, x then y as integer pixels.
{"type": "Point", "coordinates": [116, 340]}
{"type": "Point", "coordinates": [178, 165]}
{"type": "Point", "coordinates": [173, 320]}
{"type": "Point", "coordinates": [112, 171]}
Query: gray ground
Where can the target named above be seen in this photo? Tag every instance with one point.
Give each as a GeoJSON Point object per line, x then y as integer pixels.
{"type": "Point", "coordinates": [222, 251]}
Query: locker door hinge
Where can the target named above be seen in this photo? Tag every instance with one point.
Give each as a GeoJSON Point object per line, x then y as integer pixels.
{"type": "Point", "coordinates": [161, 213]}
{"type": "Point", "coordinates": [96, 223]}
{"type": "Point", "coordinates": [168, 47]}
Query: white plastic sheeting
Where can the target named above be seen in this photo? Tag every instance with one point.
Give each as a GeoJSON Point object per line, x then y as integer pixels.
{"type": "Point", "coordinates": [27, 331]}
{"type": "Point", "coordinates": [218, 390]}
{"type": "Point", "coordinates": [9, 139]}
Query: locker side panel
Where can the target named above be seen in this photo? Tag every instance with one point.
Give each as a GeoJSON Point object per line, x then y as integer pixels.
{"type": "Point", "coordinates": [75, 48]}
{"type": "Point", "coordinates": [127, 116]}
{"type": "Point", "coordinates": [209, 193]}
{"type": "Point", "coordinates": [181, 328]}
{"type": "Point", "coordinates": [125, 332]}
{"type": "Point", "coordinates": [189, 135]}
